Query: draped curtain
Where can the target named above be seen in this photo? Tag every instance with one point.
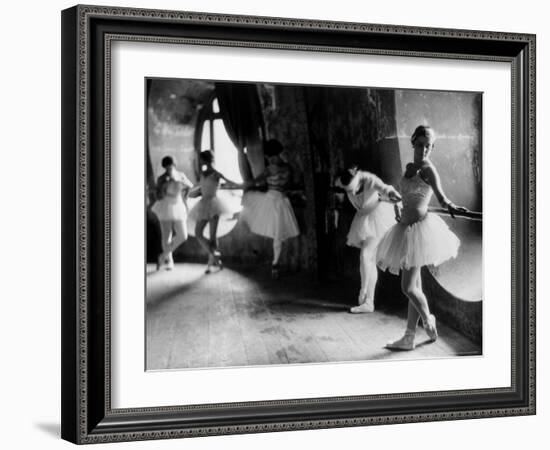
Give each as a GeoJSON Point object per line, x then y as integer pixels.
{"type": "Point", "coordinates": [243, 120]}
{"type": "Point", "coordinates": [151, 186]}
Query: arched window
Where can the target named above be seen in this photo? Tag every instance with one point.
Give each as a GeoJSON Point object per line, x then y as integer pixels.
{"type": "Point", "coordinates": [214, 137]}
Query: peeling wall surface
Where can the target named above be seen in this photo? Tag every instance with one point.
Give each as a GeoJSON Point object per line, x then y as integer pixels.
{"type": "Point", "coordinates": [457, 154]}
{"type": "Point", "coordinates": [173, 108]}
{"type": "Point", "coordinates": [456, 119]}
{"type": "Point", "coordinates": [323, 130]}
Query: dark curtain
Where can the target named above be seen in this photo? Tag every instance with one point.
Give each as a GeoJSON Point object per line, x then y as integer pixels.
{"type": "Point", "coordinates": [242, 117]}
{"type": "Point", "coordinates": [154, 246]}
{"type": "Point", "coordinates": [151, 185]}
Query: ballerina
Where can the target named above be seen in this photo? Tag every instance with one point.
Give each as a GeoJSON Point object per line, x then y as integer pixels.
{"type": "Point", "coordinates": [209, 208]}
{"type": "Point", "coordinates": [270, 213]}
{"type": "Point", "coordinates": [420, 238]}
{"type": "Point", "coordinates": [171, 211]}
{"type": "Point", "coordinates": [372, 219]}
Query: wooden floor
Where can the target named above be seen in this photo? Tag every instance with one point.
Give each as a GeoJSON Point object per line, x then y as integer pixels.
{"type": "Point", "coordinates": [239, 317]}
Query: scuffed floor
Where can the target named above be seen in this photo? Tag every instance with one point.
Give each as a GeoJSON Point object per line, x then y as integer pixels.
{"type": "Point", "coordinates": [241, 318]}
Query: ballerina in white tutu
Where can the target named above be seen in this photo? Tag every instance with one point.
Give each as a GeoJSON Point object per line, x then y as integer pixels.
{"type": "Point", "coordinates": [171, 211]}
{"type": "Point", "coordinates": [373, 218]}
{"type": "Point", "coordinates": [210, 207]}
{"type": "Point", "coordinates": [420, 238]}
{"type": "Point", "coordinates": [270, 213]}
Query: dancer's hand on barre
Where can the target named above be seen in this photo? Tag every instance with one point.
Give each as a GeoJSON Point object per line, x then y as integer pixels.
{"type": "Point", "coordinates": [453, 209]}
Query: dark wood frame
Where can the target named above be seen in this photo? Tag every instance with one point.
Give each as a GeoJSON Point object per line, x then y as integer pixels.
{"type": "Point", "coordinates": [87, 416]}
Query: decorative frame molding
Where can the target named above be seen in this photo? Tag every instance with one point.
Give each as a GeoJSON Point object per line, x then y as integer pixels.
{"type": "Point", "coordinates": [87, 35]}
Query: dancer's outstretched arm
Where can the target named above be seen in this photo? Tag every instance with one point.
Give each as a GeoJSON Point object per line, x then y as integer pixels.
{"type": "Point", "coordinates": [186, 182]}
{"type": "Point", "coordinates": [231, 183]}
{"type": "Point", "coordinates": [387, 191]}
{"type": "Point", "coordinates": [432, 177]}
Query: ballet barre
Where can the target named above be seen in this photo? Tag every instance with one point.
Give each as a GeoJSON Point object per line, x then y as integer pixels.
{"type": "Point", "coordinates": [471, 215]}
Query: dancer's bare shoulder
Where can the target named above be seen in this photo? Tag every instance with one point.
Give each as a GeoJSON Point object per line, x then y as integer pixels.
{"type": "Point", "coordinates": [428, 173]}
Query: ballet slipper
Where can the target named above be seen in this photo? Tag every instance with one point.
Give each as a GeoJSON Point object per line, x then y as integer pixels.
{"type": "Point", "coordinates": [430, 327]}
{"type": "Point", "coordinates": [218, 259]}
{"type": "Point", "coordinates": [405, 343]}
{"type": "Point", "coordinates": [162, 262]}
{"type": "Point", "coordinates": [209, 265]}
{"type": "Point", "coordinates": [366, 307]}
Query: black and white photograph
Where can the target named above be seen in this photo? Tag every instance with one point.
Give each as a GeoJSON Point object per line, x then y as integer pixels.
{"type": "Point", "coordinates": [301, 224]}
{"type": "Point", "coordinates": [275, 225]}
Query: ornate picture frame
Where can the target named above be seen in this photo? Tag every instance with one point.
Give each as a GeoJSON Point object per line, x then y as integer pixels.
{"type": "Point", "coordinates": [88, 33]}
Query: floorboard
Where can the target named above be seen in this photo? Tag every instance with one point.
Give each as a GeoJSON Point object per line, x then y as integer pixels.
{"type": "Point", "coordinates": [240, 317]}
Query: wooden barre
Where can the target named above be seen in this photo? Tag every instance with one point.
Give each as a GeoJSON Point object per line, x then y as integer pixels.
{"type": "Point", "coordinates": [472, 215]}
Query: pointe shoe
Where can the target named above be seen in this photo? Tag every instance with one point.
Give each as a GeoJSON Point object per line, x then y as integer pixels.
{"type": "Point", "coordinates": [211, 262]}
{"type": "Point", "coordinates": [405, 343]}
{"type": "Point", "coordinates": [431, 328]}
{"type": "Point", "coordinates": [218, 260]}
{"type": "Point", "coordinates": [366, 307]}
{"type": "Point", "coordinates": [169, 265]}
{"type": "Point", "coordinates": [275, 272]}
{"type": "Point", "coordinates": [162, 263]}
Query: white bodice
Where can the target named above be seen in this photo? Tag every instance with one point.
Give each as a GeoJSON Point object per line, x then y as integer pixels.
{"type": "Point", "coordinates": [173, 185]}
{"type": "Point", "coordinates": [416, 195]}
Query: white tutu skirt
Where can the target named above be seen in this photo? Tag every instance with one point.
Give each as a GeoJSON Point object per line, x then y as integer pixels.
{"type": "Point", "coordinates": [370, 224]}
{"type": "Point", "coordinates": [269, 214]}
{"type": "Point", "coordinates": [208, 208]}
{"type": "Point", "coordinates": [423, 243]}
{"type": "Point", "coordinates": [170, 208]}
